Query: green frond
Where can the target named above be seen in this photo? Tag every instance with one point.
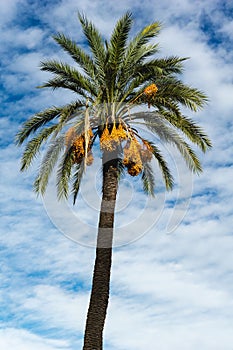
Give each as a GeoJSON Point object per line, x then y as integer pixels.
{"type": "Point", "coordinates": [137, 51]}
{"type": "Point", "coordinates": [146, 51]}
{"type": "Point", "coordinates": [171, 91]}
{"type": "Point", "coordinates": [139, 41]}
{"type": "Point", "coordinates": [64, 174]}
{"type": "Point", "coordinates": [148, 32]}
{"type": "Point", "coordinates": [173, 138]}
{"type": "Point", "coordinates": [79, 55]}
{"type": "Point", "coordinates": [57, 83]}
{"type": "Point", "coordinates": [167, 176]}
{"type": "Point", "coordinates": [42, 118]}
{"type": "Point", "coordinates": [190, 157]}
{"type": "Point", "coordinates": [160, 123]}
{"type": "Point", "coordinates": [35, 122]}
{"type": "Point", "coordinates": [132, 90]}
{"type": "Point", "coordinates": [170, 65]}
{"type": "Point", "coordinates": [168, 135]}
{"type": "Point", "coordinates": [119, 38]}
{"type": "Point", "coordinates": [175, 90]}
{"type": "Point", "coordinates": [194, 132]}
{"type": "Point", "coordinates": [133, 77]}
{"type": "Point", "coordinates": [33, 147]}
{"type": "Point", "coordinates": [96, 45]}
{"type": "Point", "coordinates": [156, 68]}
{"type": "Point", "coordinates": [47, 165]}
{"type": "Point", "coordinates": [73, 109]}
{"type": "Point", "coordinates": [114, 55]}
{"type": "Point", "coordinates": [162, 103]}
{"type": "Point", "coordinates": [68, 75]}
{"type": "Point", "coordinates": [77, 180]}
{"type": "Point", "coordinates": [148, 179]}
{"type": "Point", "coordinates": [189, 97]}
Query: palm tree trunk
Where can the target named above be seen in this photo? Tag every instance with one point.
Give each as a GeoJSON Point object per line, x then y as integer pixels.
{"type": "Point", "coordinates": [93, 339]}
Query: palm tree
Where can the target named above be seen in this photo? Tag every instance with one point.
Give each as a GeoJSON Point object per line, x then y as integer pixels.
{"type": "Point", "coordinates": [108, 82]}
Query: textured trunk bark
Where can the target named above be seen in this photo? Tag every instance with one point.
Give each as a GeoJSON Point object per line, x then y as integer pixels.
{"type": "Point", "coordinates": [93, 339]}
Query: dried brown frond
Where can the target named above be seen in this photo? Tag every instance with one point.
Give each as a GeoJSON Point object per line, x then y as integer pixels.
{"type": "Point", "coordinates": [146, 151]}
{"type": "Point", "coordinates": [70, 136]}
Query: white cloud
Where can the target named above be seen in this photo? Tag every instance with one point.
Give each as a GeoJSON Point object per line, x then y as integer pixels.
{"type": "Point", "coordinates": [25, 39]}
{"type": "Point", "coordinates": [24, 340]}
{"type": "Point", "coordinates": [205, 69]}
{"type": "Point", "coordinates": [8, 10]}
{"type": "Point", "coordinates": [227, 28]}
{"type": "Point", "coordinates": [57, 308]}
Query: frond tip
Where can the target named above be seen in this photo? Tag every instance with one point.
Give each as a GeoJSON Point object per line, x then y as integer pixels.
{"type": "Point", "coordinates": [78, 174]}
{"type": "Point", "coordinates": [167, 176]}
{"type": "Point", "coordinates": [148, 180]}
{"type": "Point", "coordinates": [48, 164]}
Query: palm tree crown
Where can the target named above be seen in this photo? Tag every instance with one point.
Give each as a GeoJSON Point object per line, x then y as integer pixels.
{"type": "Point", "coordinates": [118, 75]}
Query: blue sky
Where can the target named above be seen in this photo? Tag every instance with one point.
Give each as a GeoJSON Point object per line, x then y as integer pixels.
{"type": "Point", "coordinates": [172, 286]}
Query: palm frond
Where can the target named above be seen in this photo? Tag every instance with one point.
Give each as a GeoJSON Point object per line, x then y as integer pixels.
{"type": "Point", "coordinates": [167, 134]}
{"type": "Point", "coordinates": [78, 174]}
{"type": "Point", "coordinates": [79, 55]}
{"type": "Point", "coordinates": [57, 83]}
{"type": "Point", "coordinates": [173, 89]}
{"type": "Point", "coordinates": [129, 81]}
{"type": "Point", "coordinates": [119, 38]}
{"type": "Point", "coordinates": [194, 132]}
{"type": "Point", "coordinates": [64, 174]}
{"type": "Point", "coordinates": [33, 147]}
{"type": "Point", "coordinates": [42, 118]}
{"type": "Point", "coordinates": [136, 49]}
{"type": "Point", "coordinates": [86, 133]}
{"type": "Point", "coordinates": [144, 52]}
{"type": "Point", "coordinates": [37, 121]}
{"type": "Point", "coordinates": [153, 69]}
{"type": "Point", "coordinates": [47, 165]}
{"type": "Point", "coordinates": [96, 45]}
{"type": "Point", "coordinates": [142, 38]}
{"type": "Point", "coordinates": [115, 52]}
{"type": "Point", "coordinates": [157, 120]}
{"type": "Point", "coordinates": [167, 176]}
{"type": "Point", "coordinates": [68, 75]}
{"type": "Point", "coordinates": [148, 179]}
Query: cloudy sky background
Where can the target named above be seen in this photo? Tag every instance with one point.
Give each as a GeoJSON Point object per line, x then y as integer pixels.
{"type": "Point", "coordinates": [172, 288]}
